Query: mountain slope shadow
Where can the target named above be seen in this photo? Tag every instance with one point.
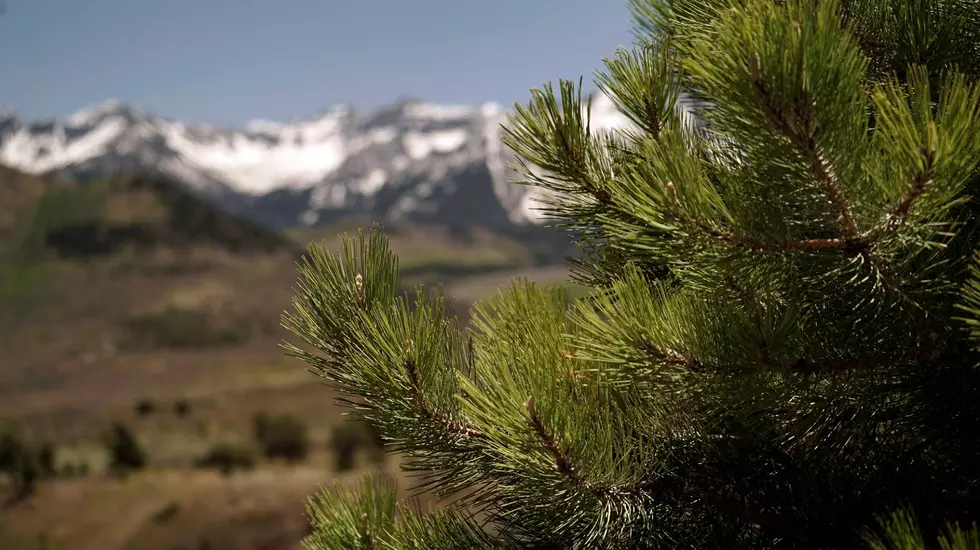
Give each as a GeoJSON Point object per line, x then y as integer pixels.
{"type": "Point", "coordinates": [83, 263]}
{"type": "Point", "coordinates": [142, 212]}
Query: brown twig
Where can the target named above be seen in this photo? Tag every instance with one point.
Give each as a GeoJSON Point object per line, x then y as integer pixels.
{"type": "Point", "coordinates": [670, 357]}
{"type": "Point", "coordinates": [920, 183]}
{"type": "Point", "coordinates": [457, 427]}
{"type": "Point", "coordinates": [758, 245]}
{"type": "Point", "coordinates": [562, 462]}
{"type": "Point", "coordinates": [734, 506]}
{"type": "Point", "coordinates": [799, 127]}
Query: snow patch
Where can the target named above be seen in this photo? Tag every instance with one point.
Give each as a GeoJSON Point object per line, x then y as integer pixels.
{"type": "Point", "coordinates": [309, 217]}
{"type": "Point", "coordinates": [491, 110]}
{"type": "Point", "coordinates": [374, 181]}
{"type": "Point", "coordinates": [92, 114]}
{"type": "Point", "coordinates": [263, 127]}
{"type": "Point", "coordinates": [437, 112]}
{"type": "Point", "coordinates": [183, 173]}
{"type": "Point", "coordinates": [419, 145]}
{"type": "Point", "coordinates": [382, 135]}
{"type": "Point", "coordinates": [42, 153]}
{"type": "Point", "coordinates": [337, 195]}
{"type": "Point", "coordinates": [605, 115]}
{"type": "Point", "coordinates": [254, 166]}
{"type": "Point", "coordinates": [404, 205]}
{"type": "Point", "coordinates": [400, 163]}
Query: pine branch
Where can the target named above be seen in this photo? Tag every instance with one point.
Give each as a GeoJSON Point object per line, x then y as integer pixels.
{"type": "Point", "coordinates": [798, 126]}
{"type": "Point", "coordinates": [564, 464]}
{"type": "Point", "coordinates": [457, 427]}
{"type": "Point", "coordinates": [367, 540]}
{"type": "Point", "coordinates": [736, 507]}
{"type": "Point", "coordinates": [761, 245]}
{"type": "Point", "coordinates": [370, 518]}
{"type": "Point", "coordinates": [551, 443]}
{"type": "Point", "coordinates": [732, 506]}
{"type": "Point", "coordinates": [921, 182]}
{"type": "Point", "coordinates": [670, 357]}
{"type": "Point", "coordinates": [670, 410]}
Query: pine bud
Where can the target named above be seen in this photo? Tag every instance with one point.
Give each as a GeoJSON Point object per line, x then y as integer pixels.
{"type": "Point", "coordinates": [359, 286]}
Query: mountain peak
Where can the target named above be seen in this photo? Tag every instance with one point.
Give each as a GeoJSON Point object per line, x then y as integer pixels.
{"type": "Point", "coordinates": [93, 113]}
{"type": "Point", "coordinates": [328, 116]}
{"type": "Point", "coordinates": [414, 160]}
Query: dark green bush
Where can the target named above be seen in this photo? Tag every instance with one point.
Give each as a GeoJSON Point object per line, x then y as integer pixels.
{"type": "Point", "coordinates": [26, 473]}
{"type": "Point", "coordinates": [25, 462]}
{"type": "Point", "coordinates": [348, 438]}
{"type": "Point", "coordinates": [182, 408]}
{"type": "Point", "coordinates": [144, 408]}
{"type": "Point", "coordinates": [228, 457]}
{"type": "Point", "coordinates": [20, 461]}
{"type": "Point", "coordinates": [46, 459]}
{"type": "Point", "coordinates": [282, 436]}
{"type": "Point", "coordinates": [125, 452]}
{"type": "Point", "coordinates": [11, 447]}
{"type": "Point", "coordinates": [344, 442]}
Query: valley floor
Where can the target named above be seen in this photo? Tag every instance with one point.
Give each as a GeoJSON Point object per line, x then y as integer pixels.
{"type": "Point", "coordinates": [169, 509]}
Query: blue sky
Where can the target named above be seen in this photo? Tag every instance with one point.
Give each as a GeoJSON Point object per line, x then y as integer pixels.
{"type": "Point", "coordinates": [229, 61]}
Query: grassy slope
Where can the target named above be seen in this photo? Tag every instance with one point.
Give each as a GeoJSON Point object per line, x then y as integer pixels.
{"type": "Point", "coordinates": [129, 253]}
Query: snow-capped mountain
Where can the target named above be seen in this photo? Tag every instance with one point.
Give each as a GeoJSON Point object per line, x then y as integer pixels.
{"type": "Point", "coordinates": [410, 161]}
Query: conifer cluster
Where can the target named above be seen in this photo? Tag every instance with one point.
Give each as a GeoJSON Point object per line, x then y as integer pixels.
{"type": "Point", "coordinates": [781, 349]}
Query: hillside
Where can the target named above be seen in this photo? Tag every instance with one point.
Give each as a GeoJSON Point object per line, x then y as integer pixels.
{"type": "Point", "coordinates": [131, 293]}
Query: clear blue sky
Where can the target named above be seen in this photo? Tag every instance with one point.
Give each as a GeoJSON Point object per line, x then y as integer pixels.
{"type": "Point", "coordinates": [229, 61]}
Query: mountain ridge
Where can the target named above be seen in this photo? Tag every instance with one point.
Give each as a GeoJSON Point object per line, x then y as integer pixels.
{"type": "Point", "coordinates": [409, 161]}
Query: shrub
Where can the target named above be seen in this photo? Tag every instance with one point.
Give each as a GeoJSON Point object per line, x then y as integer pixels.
{"type": "Point", "coordinates": [281, 437]}
{"type": "Point", "coordinates": [344, 442]}
{"type": "Point", "coordinates": [144, 408]}
{"type": "Point", "coordinates": [26, 463]}
{"type": "Point", "coordinates": [26, 473]}
{"type": "Point", "coordinates": [228, 457]}
{"type": "Point", "coordinates": [125, 452]}
{"type": "Point", "coordinates": [46, 459]}
{"type": "Point", "coordinates": [11, 447]}
{"type": "Point", "coordinates": [182, 408]}
{"type": "Point", "coordinates": [348, 438]}
{"type": "Point", "coordinates": [21, 463]}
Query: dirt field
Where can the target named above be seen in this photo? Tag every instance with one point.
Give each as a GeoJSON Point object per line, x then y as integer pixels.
{"type": "Point", "coordinates": [134, 336]}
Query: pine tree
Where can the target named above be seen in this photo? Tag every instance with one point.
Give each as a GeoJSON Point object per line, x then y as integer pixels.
{"type": "Point", "coordinates": [782, 346]}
